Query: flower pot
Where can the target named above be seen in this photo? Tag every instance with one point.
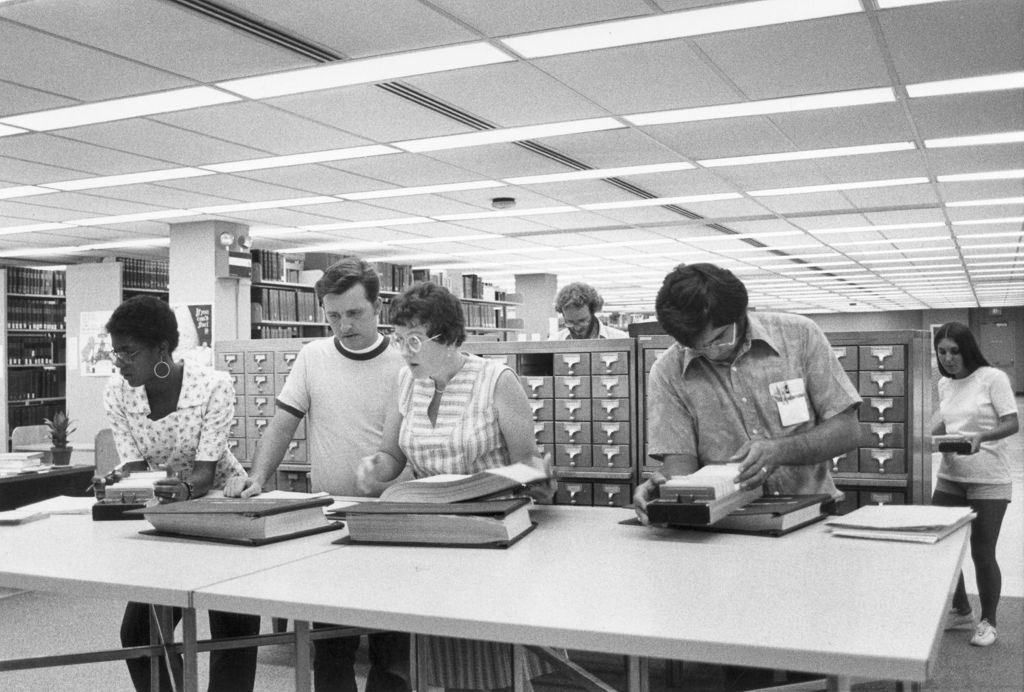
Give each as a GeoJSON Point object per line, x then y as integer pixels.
{"type": "Point", "coordinates": [61, 455]}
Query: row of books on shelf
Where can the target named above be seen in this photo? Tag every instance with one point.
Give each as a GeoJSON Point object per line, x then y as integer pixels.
{"type": "Point", "coordinates": [267, 331]}
{"type": "Point", "coordinates": [36, 281]}
{"type": "Point", "coordinates": [26, 313]}
{"type": "Point", "coordinates": [473, 286]}
{"type": "Point", "coordinates": [34, 384]}
{"type": "Point", "coordinates": [33, 350]}
{"type": "Point", "coordinates": [144, 273]}
{"type": "Point", "coordinates": [268, 265]}
{"type": "Point", "coordinates": [31, 414]}
{"type": "Point", "coordinates": [478, 315]}
{"type": "Point", "coordinates": [284, 305]}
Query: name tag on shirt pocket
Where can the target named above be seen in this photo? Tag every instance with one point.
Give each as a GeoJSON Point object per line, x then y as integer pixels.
{"type": "Point", "coordinates": [791, 399]}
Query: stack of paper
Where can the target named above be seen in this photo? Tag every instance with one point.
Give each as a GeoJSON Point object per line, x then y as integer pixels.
{"type": "Point", "coordinates": [18, 462]}
{"type": "Point", "coordinates": [62, 504]}
{"type": "Point", "coordinates": [914, 523]}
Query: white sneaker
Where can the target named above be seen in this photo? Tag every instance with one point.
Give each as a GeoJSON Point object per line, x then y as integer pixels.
{"type": "Point", "coordinates": [956, 620]}
{"type": "Point", "coordinates": [984, 634]}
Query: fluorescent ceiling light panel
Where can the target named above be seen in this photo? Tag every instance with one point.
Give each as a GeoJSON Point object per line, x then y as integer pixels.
{"type": "Point", "coordinates": [662, 27]}
{"type": "Point", "coordinates": [327, 247]}
{"type": "Point", "coordinates": [976, 140]}
{"type": "Point", "coordinates": [422, 190]}
{"type": "Point", "coordinates": [14, 230]}
{"type": "Point", "coordinates": [861, 185]}
{"type": "Point", "coordinates": [600, 173]}
{"type": "Point", "coordinates": [994, 202]}
{"type": "Point", "coordinates": [808, 154]}
{"type": "Point", "coordinates": [341, 225]}
{"type": "Point", "coordinates": [139, 242]}
{"type": "Point", "coordinates": [509, 134]}
{"type": "Point", "coordinates": [989, 222]}
{"type": "Point", "coordinates": [128, 179]}
{"type": "Point", "coordinates": [6, 130]}
{"type": "Point", "coordinates": [789, 104]}
{"type": "Point", "coordinates": [662, 201]}
{"type": "Point", "coordinates": [880, 227]}
{"type": "Point", "coordinates": [510, 212]}
{"type": "Point", "coordinates": [120, 109]}
{"type": "Point", "coordinates": [1010, 174]}
{"type": "Point", "coordinates": [889, 4]}
{"type": "Point", "coordinates": [967, 85]}
{"type": "Point", "coordinates": [130, 218]}
{"type": "Point", "coordinates": [301, 159]}
{"type": "Point", "coordinates": [23, 191]}
{"type": "Point", "coordinates": [367, 71]}
{"type": "Point", "coordinates": [269, 204]}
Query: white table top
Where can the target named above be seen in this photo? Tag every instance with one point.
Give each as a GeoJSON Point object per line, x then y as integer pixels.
{"type": "Point", "coordinates": [808, 601]}
{"type": "Point", "coordinates": [74, 554]}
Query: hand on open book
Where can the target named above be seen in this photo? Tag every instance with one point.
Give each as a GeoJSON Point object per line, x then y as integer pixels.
{"type": "Point", "coordinates": [543, 491]}
{"type": "Point", "coordinates": [242, 486]}
{"type": "Point", "coordinates": [370, 472]}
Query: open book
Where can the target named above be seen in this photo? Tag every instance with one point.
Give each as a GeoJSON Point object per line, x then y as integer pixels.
{"type": "Point", "coordinates": [490, 523]}
{"type": "Point", "coordinates": [913, 523]}
{"type": "Point", "coordinates": [701, 498]}
{"type": "Point", "coordinates": [251, 521]}
{"type": "Point", "coordinates": [502, 481]}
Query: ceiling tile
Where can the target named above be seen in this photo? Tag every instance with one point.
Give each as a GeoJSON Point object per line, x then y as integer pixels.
{"type": "Point", "coordinates": [16, 99]}
{"type": "Point", "coordinates": [843, 127]}
{"type": "Point", "coordinates": [613, 148]}
{"type": "Point", "coordinates": [818, 201]}
{"type": "Point", "coordinates": [833, 54]}
{"type": "Point", "coordinates": [994, 157]}
{"type": "Point", "coordinates": [311, 179]}
{"type": "Point", "coordinates": [509, 17]}
{"type": "Point", "coordinates": [88, 158]}
{"type": "Point", "coordinates": [17, 171]}
{"type": "Point", "coordinates": [233, 187]}
{"type": "Point", "coordinates": [408, 170]}
{"type": "Point", "coordinates": [494, 161]}
{"type": "Point", "coordinates": [718, 138]}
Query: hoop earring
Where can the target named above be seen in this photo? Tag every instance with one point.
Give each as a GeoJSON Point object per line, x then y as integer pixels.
{"type": "Point", "coordinates": [166, 365]}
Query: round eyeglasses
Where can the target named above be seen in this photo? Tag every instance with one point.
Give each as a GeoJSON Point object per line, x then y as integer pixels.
{"type": "Point", "coordinates": [413, 342]}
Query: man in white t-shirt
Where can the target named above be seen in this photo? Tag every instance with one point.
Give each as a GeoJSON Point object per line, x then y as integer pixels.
{"type": "Point", "coordinates": [579, 303]}
{"type": "Point", "coordinates": [340, 386]}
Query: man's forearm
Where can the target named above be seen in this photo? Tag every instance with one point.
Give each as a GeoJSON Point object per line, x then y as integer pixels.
{"type": "Point", "coordinates": [271, 448]}
{"type": "Point", "coordinates": [838, 435]}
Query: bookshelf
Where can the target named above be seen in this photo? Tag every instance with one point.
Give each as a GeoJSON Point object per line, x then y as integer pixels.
{"type": "Point", "coordinates": [143, 276]}
{"type": "Point", "coordinates": [32, 316]}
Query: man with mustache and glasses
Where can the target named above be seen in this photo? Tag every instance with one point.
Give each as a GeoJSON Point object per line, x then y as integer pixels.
{"type": "Point", "coordinates": [761, 389]}
{"type": "Point", "coordinates": [579, 303]}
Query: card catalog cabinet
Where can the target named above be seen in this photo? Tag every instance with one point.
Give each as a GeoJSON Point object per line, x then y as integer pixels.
{"type": "Point", "coordinates": [258, 369]}
{"type": "Point", "coordinates": [583, 398]}
{"type": "Point", "coordinates": [890, 370]}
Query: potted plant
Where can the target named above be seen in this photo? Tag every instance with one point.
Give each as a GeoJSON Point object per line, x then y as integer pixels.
{"type": "Point", "coordinates": [59, 428]}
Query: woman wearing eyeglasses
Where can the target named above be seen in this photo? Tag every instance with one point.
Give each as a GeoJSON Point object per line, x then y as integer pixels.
{"type": "Point", "coordinates": [174, 416]}
{"type": "Point", "coordinates": [456, 413]}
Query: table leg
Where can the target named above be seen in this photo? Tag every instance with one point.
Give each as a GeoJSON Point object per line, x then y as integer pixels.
{"type": "Point", "coordinates": [302, 658]}
{"type": "Point", "coordinates": [519, 668]}
{"type": "Point", "coordinates": [839, 683]}
{"type": "Point", "coordinates": [190, 650]}
{"type": "Point", "coordinates": [638, 673]}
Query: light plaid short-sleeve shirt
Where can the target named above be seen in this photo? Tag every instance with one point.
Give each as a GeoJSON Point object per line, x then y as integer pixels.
{"type": "Point", "coordinates": [710, 410]}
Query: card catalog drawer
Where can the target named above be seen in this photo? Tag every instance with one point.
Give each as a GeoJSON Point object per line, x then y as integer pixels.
{"type": "Point", "coordinates": [882, 497]}
{"type": "Point", "coordinates": [232, 361]}
{"type": "Point", "coordinates": [293, 481]}
{"type": "Point", "coordinates": [844, 463]}
{"type": "Point", "coordinates": [882, 383]}
{"type": "Point", "coordinates": [610, 409]}
{"type": "Point", "coordinates": [259, 383]}
{"type": "Point", "coordinates": [285, 360]}
{"type": "Point", "coordinates": [259, 405]}
{"type": "Point", "coordinates": [610, 432]}
{"type": "Point", "coordinates": [572, 409]}
{"type": "Point", "coordinates": [882, 357]}
{"type": "Point", "coordinates": [542, 409]}
{"type": "Point", "coordinates": [847, 356]}
{"type": "Point", "coordinates": [259, 361]}
{"type": "Point", "coordinates": [296, 452]}
{"type": "Point", "coordinates": [538, 387]}
{"type": "Point", "coordinates": [882, 435]}
{"type": "Point", "coordinates": [238, 382]}
{"type": "Point", "coordinates": [573, 493]}
{"type": "Point", "coordinates": [611, 456]}
{"type": "Point", "coordinates": [574, 364]}
{"type": "Point", "coordinates": [888, 461]}
{"type": "Point", "coordinates": [612, 494]}
{"type": "Point", "coordinates": [543, 431]}
{"type": "Point", "coordinates": [609, 385]}
{"type": "Point", "coordinates": [884, 409]}
{"type": "Point", "coordinates": [572, 387]}
{"type": "Point", "coordinates": [254, 427]}
{"type": "Point", "coordinates": [572, 433]}
{"type": "Point", "coordinates": [609, 363]}
{"type": "Point", "coordinates": [575, 456]}
{"type": "Point", "coordinates": [236, 445]}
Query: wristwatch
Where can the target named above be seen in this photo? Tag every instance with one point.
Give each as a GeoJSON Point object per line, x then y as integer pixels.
{"type": "Point", "coordinates": [188, 487]}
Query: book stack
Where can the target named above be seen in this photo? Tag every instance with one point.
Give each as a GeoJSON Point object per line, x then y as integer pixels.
{"type": "Point", "coordinates": [485, 509]}
{"type": "Point", "coordinates": [251, 521]}
{"type": "Point", "coordinates": [911, 523]}
{"type": "Point", "coordinates": [702, 498]}
{"type": "Point", "coordinates": [21, 462]}
{"type": "Point", "coordinates": [777, 515]}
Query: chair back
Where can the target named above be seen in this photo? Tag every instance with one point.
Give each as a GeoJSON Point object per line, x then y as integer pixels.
{"type": "Point", "coordinates": [106, 452]}
{"type": "Point", "coordinates": [28, 435]}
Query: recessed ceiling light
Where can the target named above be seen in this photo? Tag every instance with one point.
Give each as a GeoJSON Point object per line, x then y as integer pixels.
{"type": "Point", "coordinates": [6, 130]}
{"type": "Point", "coordinates": [341, 225]}
{"type": "Point", "coordinates": [880, 227]}
{"type": "Point", "coordinates": [131, 218]}
{"type": "Point", "coordinates": [511, 212]}
{"type": "Point", "coordinates": [120, 109]}
{"type": "Point", "coordinates": [994, 202]}
{"type": "Point", "coordinates": [889, 4]}
{"type": "Point", "coordinates": [32, 227]}
{"type": "Point", "coordinates": [422, 190]}
{"type": "Point", "coordinates": [367, 70]}
{"type": "Point", "coordinates": [807, 154]}
{"type": "Point", "coordinates": [662, 201]}
{"type": "Point", "coordinates": [967, 85]}
{"type": "Point", "coordinates": [990, 222]}
{"type": "Point", "coordinates": [301, 159]}
{"type": "Point", "coordinates": [976, 140]}
{"type": "Point", "coordinates": [128, 179]}
{"type": "Point", "coordinates": [860, 185]}
{"type": "Point", "coordinates": [790, 104]}
{"type": "Point", "coordinates": [600, 173]}
{"type": "Point", "coordinates": [23, 191]}
{"type": "Point", "coordinates": [1010, 174]}
{"type": "Point", "coordinates": [509, 134]}
{"type": "Point", "coordinates": [269, 204]}
{"type": "Point", "coordinates": [670, 25]}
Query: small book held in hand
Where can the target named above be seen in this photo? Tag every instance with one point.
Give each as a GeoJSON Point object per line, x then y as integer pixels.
{"type": "Point", "coordinates": [251, 521]}
{"type": "Point", "coordinates": [486, 524]}
{"type": "Point", "coordinates": [497, 482]}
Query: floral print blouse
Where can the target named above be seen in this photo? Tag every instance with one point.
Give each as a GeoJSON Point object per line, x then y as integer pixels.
{"type": "Point", "coordinates": [197, 429]}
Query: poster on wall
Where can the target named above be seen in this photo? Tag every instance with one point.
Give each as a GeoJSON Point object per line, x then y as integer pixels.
{"type": "Point", "coordinates": [94, 351]}
{"type": "Point", "coordinates": [195, 333]}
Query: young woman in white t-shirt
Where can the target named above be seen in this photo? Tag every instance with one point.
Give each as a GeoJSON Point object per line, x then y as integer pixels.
{"type": "Point", "coordinates": [975, 401]}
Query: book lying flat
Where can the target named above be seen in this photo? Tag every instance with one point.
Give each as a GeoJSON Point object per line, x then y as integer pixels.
{"type": "Point", "coordinates": [252, 521]}
{"type": "Point", "coordinates": [502, 481]}
{"type": "Point", "coordinates": [777, 515]}
{"type": "Point", "coordinates": [912, 523]}
{"type": "Point", "coordinates": [20, 460]}
{"type": "Point", "coordinates": [490, 523]}
{"type": "Point", "coordinates": [702, 498]}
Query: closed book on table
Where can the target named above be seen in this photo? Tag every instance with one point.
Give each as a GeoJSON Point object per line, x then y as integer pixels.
{"type": "Point", "coordinates": [486, 524]}
{"type": "Point", "coordinates": [501, 481]}
{"type": "Point", "coordinates": [251, 521]}
{"type": "Point", "coordinates": [777, 514]}
{"type": "Point", "coordinates": [700, 499]}
{"type": "Point", "coordinates": [910, 523]}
